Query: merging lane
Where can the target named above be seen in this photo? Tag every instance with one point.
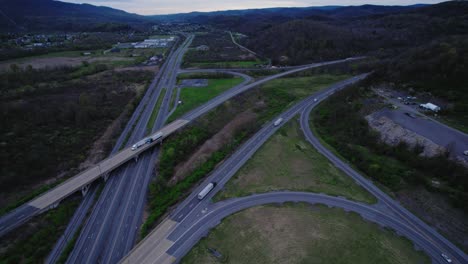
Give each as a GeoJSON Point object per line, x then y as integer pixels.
{"type": "Point", "coordinates": [391, 206]}
{"type": "Point", "coordinates": [158, 247]}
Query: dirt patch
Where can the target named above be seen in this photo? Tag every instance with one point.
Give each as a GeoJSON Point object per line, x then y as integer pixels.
{"type": "Point", "coordinates": [39, 63]}
{"type": "Point", "coordinates": [213, 144]}
{"type": "Point", "coordinates": [392, 134]}
{"type": "Point", "coordinates": [436, 210]}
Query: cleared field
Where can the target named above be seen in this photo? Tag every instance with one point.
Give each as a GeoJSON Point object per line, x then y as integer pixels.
{"type": "Point", "coordinates": [301, 233]}
{"type": "Point", "coordinates": [216, 50]}
{"type": "Point", "coordinates": [192, 97]}
{"type": "Point", "coordinates": [288, 162]}
{"type": "Point", "coordinates": [125, 57]}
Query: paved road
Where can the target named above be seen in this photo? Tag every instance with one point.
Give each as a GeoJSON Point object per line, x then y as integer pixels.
{"type": "Point", "coordinates": [192, 219]}
{"type": "Point", "coordinates": [214, 213]}
{"type": "Point", "coordinates": [25, 212]}
{"type": "Point", "coordinates": [80, 213]}
{"type": "Point", "coordinates": [391, 206]}
{"type": "Point", "coordinates": [52, 197]}
{"type": "Point", "coordinates": [456, 141]}
{"type": "Point", "coordinates": [112, 227]}
{"type": "Point", "coordinates": [154, 248]}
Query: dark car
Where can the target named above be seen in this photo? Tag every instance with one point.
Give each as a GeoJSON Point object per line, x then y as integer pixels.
{"type": "Point", "coordinates": [410, 115]}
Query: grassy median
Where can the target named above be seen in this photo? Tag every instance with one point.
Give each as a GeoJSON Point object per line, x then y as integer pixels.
{"type": "Point", "coordinates": [301, 233]}
{"type": "Point", "coordinates": [288, 162]}
{"type": "Point", "coordinates": [192, 97]}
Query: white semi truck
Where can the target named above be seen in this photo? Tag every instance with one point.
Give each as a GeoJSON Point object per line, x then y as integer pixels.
{"type": "Point", "coordinates": [147, 140]}
{"type": "Point", "coordinates": [139, 144]}
{"type": "Point", "coordinates": [205, 190]}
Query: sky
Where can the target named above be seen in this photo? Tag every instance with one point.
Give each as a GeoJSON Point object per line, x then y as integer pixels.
{"type": "Point", "coordinates": [157, 7]}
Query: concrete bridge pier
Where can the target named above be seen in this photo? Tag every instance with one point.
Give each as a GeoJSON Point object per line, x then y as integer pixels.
{"type": "Point", "coordinates": [54, 205]}
{"type": "Point", "coordinates": [85, 189]}
{"type": "Point", "coordinates": [106, 177]}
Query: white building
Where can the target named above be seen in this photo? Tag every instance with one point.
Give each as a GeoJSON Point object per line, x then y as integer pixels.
{"type": "Point", "coordinates": [430, 106]}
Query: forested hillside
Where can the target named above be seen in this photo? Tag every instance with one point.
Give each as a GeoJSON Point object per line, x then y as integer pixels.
{"type": "Point", "coordinates": [313, 34]}
{"type": "Point", "coordinates": [49, 15]}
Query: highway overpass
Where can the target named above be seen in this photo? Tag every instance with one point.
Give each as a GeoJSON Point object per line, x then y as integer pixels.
{"type": "Point", "coordinates": [83, 180]}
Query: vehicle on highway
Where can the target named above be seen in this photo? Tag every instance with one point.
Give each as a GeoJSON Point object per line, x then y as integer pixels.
{"type": "Point", "coordinates": [315, 99]}
{"type": "Point", "coordinates": [449, 260]}
{"type": "Point", "coordinates": [465, 152]}
{"type": "Point", "coordinates": [157, 136]}
{"type": "Point", "coordinates": [138, 144]}
{"type": "Point", "coordinates": [148, 140]}
{"type": "Point", "coordinates": [278, 121]}
{"type": "Point", "coordinates": [206, 190]}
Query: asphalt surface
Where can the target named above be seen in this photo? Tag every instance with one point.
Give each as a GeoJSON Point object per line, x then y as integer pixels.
{"type": "Point", "coordinates": [115, 187]}
{"type": "Point", "coordinates": [112, 164]}
{"type": "Point", "coordinates": [112, 227]}
{"type": "Point", "coordinates": [193, 218]}
{"type": "Point", "coordinates": [80, 213]}
{"type": "Point", "coordinates": [214, 213]}
{"type": "Point", "coordinates": [387, 204]}
{"type": "Point", "coordinates": [23, 213]}
{"type": "Point", "coordinates": [454, 140]}
{"type": "Point", "coordinates": [191, 209]}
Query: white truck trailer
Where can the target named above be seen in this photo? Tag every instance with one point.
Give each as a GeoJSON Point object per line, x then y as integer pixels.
{"type": "Point", "coordinates": [278, 121]}
{"type": "Point", "coordinates": [205, 191]}
{"type": "Point", "coordinates": [157, 136]}
{"type": "Point", "coordinates": [138, 144]}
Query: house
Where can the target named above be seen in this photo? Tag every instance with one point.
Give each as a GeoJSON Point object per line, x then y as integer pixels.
{"type": "Point", "coordinates": [430, 106]}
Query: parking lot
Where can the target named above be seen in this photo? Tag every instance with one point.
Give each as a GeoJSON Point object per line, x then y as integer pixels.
{"type": "Point", "coordinates": [442, 135]}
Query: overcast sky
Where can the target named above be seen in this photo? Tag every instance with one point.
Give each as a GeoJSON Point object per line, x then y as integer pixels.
{"type": "Point", "coordinates": [154, 7]}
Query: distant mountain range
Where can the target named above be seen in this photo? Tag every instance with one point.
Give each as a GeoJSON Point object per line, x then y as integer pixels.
{"type": "Point", "coordinates": [290, 12]}
{"type": "Point", "coordinates": [50, 15]}
{"type": "Point", "coordinates": [55, 15]}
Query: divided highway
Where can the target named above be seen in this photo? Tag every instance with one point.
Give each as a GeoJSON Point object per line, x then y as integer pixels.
{"type": "Point", "coordinates": [193, 218]}
{"type": "Point", "coordinates": [160, 246]}
{"type": "Point", "coordinates": [112, 227]}
{"type": "Point", "coordinates": [103, 168]}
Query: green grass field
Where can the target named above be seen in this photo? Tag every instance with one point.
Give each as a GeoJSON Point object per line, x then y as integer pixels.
{"type": "Point", "coordinates": [155, 112]}
{"type": "Point", "coordinates": [192, 97]}
{"type": "Point", "coordinates": [301, 233]}
{"type": "Point", "coordinates": [287, 162]}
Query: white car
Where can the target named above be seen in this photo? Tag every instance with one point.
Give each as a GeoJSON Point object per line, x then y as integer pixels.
{"type": "Point", "coordinates": [465, 152]}
{"type": "Point", "coordinates": [446, 258]}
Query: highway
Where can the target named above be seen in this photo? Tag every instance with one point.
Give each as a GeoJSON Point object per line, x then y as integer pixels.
{"type": "Point", "coordinates": [83, 208]}
{"type": "Point", "coordinates": [112, 227]}
{"type": "Point", "coordinates": [390, 205]}
{"type": "Point", "coordinates": [154, 248]}
{"type": "Point", "coordinates": [192, 219]}
{"type": "Point", "coordinates": [103, 168]}
{"type": "Point", "coordinates": [214, 213]}
{"type": "Point", "coordinates": [25, 212]}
